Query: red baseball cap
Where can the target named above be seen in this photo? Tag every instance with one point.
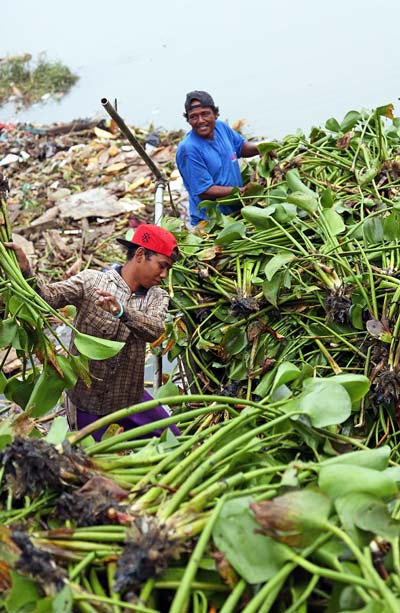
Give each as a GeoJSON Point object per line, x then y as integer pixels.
{"type": "Point", "coordinates": [154, 238]}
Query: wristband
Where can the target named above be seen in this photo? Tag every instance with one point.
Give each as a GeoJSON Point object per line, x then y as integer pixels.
{"type": "Point", "coordinates": [121, 311]}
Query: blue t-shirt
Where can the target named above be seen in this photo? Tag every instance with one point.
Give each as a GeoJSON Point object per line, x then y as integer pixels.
{"type": "Point", "coordinates": [203, 163]}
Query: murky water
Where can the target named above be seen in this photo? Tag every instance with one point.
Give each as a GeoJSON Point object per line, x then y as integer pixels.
{"type": "Point", "coordinates": [279, 65]}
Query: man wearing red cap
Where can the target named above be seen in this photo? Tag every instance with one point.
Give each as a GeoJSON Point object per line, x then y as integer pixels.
{"type": "Point", "coordinates": [124, 304]}
{"type": "Point", "coordinates": [207, 158]}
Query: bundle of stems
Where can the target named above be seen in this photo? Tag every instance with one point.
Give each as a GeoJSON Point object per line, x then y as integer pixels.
{"type": "Point", "coordinates": [192, 493]}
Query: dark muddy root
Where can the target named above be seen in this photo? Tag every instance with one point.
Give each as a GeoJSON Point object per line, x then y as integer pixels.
{"type": "Point", "coordinates": [242, 306]}
{"type": "Point", "coordinates": [146, 554]}
{"type": "Point", "coordinates": [337, 307]}
{"type": "Point", "coordinates": [38, 564]}
{"type": "Point", "coordinates": [385, 387]}
{"type": "Point", "coordinates": [231, 389]}
{"type": "Point", "coordinates": [385, 380]}
{"type": "Point", "coordinates": [96, 503]}
{"type": "Point", "coordinates": [32, 465]}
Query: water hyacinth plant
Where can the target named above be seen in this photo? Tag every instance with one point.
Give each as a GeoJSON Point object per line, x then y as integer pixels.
{"type": "Point", "coordinates": [306, 276]}
{"type": "Point", "coordinates": [281, 492]}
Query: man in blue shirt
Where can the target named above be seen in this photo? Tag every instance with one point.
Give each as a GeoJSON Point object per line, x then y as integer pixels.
{"type": "Point", "coordinates": [207, 158]}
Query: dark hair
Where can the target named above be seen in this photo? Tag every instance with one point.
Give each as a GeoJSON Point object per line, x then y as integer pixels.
{"type": "Point", "coordinates": [215, 109]}
{"type": "Point", "coordinates": [148, 253]}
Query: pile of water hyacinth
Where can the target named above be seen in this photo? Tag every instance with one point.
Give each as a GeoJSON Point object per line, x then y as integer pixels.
{"type": "Point", "coordinates": [281, 492]}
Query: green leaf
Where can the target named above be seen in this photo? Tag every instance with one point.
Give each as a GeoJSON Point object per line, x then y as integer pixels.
{"type": "Point", "coordinates": [3, 381]}
{"type": "Point", "coordinates": [46, 392]}
{"type": "Point", "coordinates": [68, 370]}
{"type": "Point", "coordinates": [373, 516]}
{"type": "Point", "coordinates": [356, 316]}
{"type": "Point", "coordinates": [373, 230]}
{"type": "Point", "coordinates": [276, 263]}
{"type": "Point", "coordinates": [5, 439]}
{"type": "Point", "coordinates": [96, 348]}
{"type": "Point", "coordinates": [168, 389]}
{"type": "Point", "coordinates": [23, 310]}
{"type": "Point", "coordinates": [280, 393]}
{"type": "Point", "coordinates": [255, 557]}
{"type": "Point", "coordinates": [235, 340]}
{"type": "Point", "coordinates": [271, 288]}
{"type": "Point", "coordinates": [267, 147]}
{"type": "Point", "coordinates": [332, 124]}
{"type": "Point", "coordinates": [385, 111]}
{"type": "Point", "coordinates": [58, 430]}
{"type": "Point", "coordinates": [361, 512]}
{"type": "Point", "coordinates": [253, 192]}
{"type": "Point", "coordinates": [80, 364]}
{"type": "Point", "coordinates": [326, 403]}
{"type": "Point", "coordinates": [305, 202]}
{"type": "Point", "coordinates": [327, 198]}
{"type": "Point", "coordinates": [377, 459]}
{"type": "Point", "coordinates": [365, 176]}
{"type": "Point", "coordinates": [45, 605]}
{"type": "Point", "coordinates": [284, 212]}
{"type": "Point", "coordinates": [63, 602]}
{"type": "Point", "coordinates": [19, 391]}
{"type": "Point", "coordinates": [60, 603]}
{"type": "Point", "coordinates": [23, 595]}
{"type": "Point", "coordinates": [391, 226]}
{"type": "Point", "coordinates": [350, 120]}
{"type": "Point", "coordinates": [8, 332]}
{"type": "Point", "coordinates": [276, 195]}
{"type": "Point", "coordinates": [355, 385]}
{"type": "Point", "coordinates": [341, 479]}
{"type": "Point", "coordinates": [295, 184]}
{"type": "Point", "coordinates": [286, 372]}
{"type": "Point", "coordinates": [21, 341]}
{"type": "Point", "coordinates": [394, 473]}
{"type": "Point", "coordinates": [230, 233]}
{"type": "Point", "coordinates": [263, 389]}
{"type": "Point", "coordinates": [259, 217]}
{"type": "Point", "coordinates": [334, 221]}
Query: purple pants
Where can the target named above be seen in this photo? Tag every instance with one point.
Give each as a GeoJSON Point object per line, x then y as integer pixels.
{"type": "Point", "coordinates": [127, 423]}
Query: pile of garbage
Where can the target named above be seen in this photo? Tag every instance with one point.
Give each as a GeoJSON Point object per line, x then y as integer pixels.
{"type": "Point", "coordinates": [74, 186]}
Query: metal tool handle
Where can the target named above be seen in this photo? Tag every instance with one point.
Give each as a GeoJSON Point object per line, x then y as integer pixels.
{"type": "Point", "coordinates": [133, 140]}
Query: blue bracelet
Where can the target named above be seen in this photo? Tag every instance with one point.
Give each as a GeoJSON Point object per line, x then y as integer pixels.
{"type": "Point", "coordinates": [121, 311]}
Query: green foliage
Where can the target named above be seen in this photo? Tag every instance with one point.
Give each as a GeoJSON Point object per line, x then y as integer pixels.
{"type": "Point", "coordinates": [29, 83]}
{"type": "Point", "coordinates": [254, 556]}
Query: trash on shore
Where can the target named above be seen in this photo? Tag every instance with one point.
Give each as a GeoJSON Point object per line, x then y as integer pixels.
{"type": "Point", "coordinates": [73, 187]}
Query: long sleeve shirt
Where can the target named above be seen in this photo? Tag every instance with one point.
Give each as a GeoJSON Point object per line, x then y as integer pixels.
{"type": "Point", "coordinates": [117, 382]}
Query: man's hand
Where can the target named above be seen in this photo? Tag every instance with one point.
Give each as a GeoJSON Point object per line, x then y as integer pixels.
{"type": "Point", "coordinates": [22, 260]}
{"type": "Point", "coordinates": [107, 302]}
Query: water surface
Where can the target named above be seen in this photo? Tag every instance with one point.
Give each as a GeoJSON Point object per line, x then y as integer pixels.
{"type": "Point", "coordinates": [279, 65]}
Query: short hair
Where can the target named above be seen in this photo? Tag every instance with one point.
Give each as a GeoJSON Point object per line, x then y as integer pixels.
{"type": "Point", "coordinates": [148, 253]}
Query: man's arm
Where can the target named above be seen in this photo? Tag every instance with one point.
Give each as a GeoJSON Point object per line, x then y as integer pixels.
{"type": "Point", "coordinates": [217, 191]}
{"type": "Point", "coordinates": [57, 294]}
{"type": "Point", "coordinates": [248, 150]}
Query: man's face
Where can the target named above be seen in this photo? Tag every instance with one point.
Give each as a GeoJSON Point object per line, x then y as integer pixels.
{"type": "Point", "coordinates": [153, 270]}
{"type": "Point", "coordinates": [202, 120]}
